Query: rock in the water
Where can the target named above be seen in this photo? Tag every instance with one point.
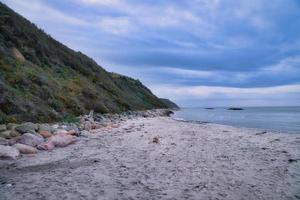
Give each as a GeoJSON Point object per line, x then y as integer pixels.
{"type": "Point", "coordinates": [46, 146]}
{"type": "Point", "coordinates": [45, 134]}
{"type": "Point", "coordinates": [233, 108]}
{"type": "Point", "coordinates": [62, 140]}
{"type": "Point", "coordinates": [31, 139]}
{"type": "Point", "coordinates": [25, 149]}
{"type": "Point", "coordinates": [5, 134]}
{"type": "Point", "coordinates": [27, 128]}
{"type": "Point", "coordinates": [8, 152]}
{"type": "Point", "coordinates": [2, 127]}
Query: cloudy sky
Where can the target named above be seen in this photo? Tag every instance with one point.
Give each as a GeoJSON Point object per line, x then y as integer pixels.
{"type": "Point", "coordinates": [195, 52]}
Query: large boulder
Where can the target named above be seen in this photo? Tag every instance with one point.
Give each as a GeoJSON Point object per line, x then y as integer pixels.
{"type": "Point", "coordinates": [25, 149]}
{"type": "Point", "coordinates": [5, 134]}
{"type": "Point", "coordinates": [8, 152]}
{"type": "Point", "coordinates": [30, 139]}
{"type": "Point", "coordinates": [27, 128]}
{"type": "Point", "coordinates": [62, 140]}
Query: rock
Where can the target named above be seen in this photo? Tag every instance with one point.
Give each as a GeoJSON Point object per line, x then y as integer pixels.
{"type": "Point", "coordinates": [84, 134]}
{"type": "Point", "coordinates": [60, 131]}
{"type": "Point", "coordinates": [5, 134]}
{"type": "Point", "coordinates": [73, 132]}
{"type": "Point", "coordinates": [156, 140]}
{"type": "Point", "coordinates": [13, 141]}
{"type": "Point", "coordinates": [55, 126]}
{"type": "Point", "coordinates": [46, 146]}
{"type": "Point", "coordinates": [30, 139]}
{"type": "Point", "coordinates": [14, 133]}
{"type": "Point", "coordinates": [8, 152]}
{"type": "Point", "coordinates": [235, 109]}
{"type": "Point", "coordinates": [62, 140]}
{"type": "Point", "coordinates": [45, 134]}
{"type": "Point", "coordinates": [46, 127]}
{"type": "Point", "coordinates": [27, 128]}
{"type": "Point", "coordinates": [87, 126]}
{"type": "Point", "coordinates": [25, 149]}
{"type": "Point", "coordinates": [2, 127]}
{"type": "Point", "coordinates": [4, 141]}
{"type": "Point", "coordinates": [11, 126]}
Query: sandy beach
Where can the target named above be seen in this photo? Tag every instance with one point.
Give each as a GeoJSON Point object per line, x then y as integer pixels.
{"type": "Point", "coordinates": [160, 158]}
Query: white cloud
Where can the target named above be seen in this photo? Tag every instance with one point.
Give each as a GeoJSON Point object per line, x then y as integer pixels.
{"type": "Point", "coordinates": [118, 26]}
{"type": "Point", "coordinates": [101, 2]}
{"type": "Point", "coordinates": [207, 91]}
{"type": "Point", "coordinates": [37, 11]}
{"type": "Point", "coordinates": [229, 96]}
{"type": "Point", "coordinates": [188, 73]}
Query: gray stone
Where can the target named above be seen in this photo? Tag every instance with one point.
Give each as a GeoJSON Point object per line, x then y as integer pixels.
{"type": "Point", "coordinates": [30, 139]}
{"type": "Point", "coordinates": [11, 126]}
{"type": "Point", "coordinates": [4, 141]}
{"type": "Point", "coordinates": [27, 128]}
{"type": "Point", "coordinates": [5, 134]}
{"type": "Point", "coordinates": [46, 127]}
{"type": "Point", "coordinates": [2, 127]}
{"type": "Point", "coordinates": [14, 133]}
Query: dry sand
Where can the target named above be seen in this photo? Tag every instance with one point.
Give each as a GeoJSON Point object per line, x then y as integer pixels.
{"type": "Point", "coordinates": [191, 161]}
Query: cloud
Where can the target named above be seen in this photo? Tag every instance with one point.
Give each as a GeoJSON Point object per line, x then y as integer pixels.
{"type": "Point", "coordinates": [40, 11]}
{"type": "Point", "coordinates": [229, 96]}
{"type": "Point", "coordinates": [118, 26]}
{"type": "Point", "coordinates": [188, 73]}
{"type": "Point", "coordinates": [206, 91]}
{"type": "Point", "coordinates": [101, 2]}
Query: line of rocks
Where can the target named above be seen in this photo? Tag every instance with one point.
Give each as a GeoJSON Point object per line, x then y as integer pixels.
{"type": "Point", "coordinates": [29, 138]}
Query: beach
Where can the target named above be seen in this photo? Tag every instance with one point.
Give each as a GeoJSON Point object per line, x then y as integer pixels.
{"type": "Point", "coordinates": [160, 158]}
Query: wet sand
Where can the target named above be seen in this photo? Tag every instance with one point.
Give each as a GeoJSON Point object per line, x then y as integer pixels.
{"type": "Point", "coordinates": [186, 161]}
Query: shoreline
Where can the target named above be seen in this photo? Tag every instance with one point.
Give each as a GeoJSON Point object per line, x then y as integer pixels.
{"type": "Point", "coordinates": [259, 130]}
{"type": "Point", "coordinates": [185, 161]}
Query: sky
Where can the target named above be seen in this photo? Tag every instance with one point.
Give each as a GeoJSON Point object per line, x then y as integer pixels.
{"type": "Point", "coordinates": [194, 52]}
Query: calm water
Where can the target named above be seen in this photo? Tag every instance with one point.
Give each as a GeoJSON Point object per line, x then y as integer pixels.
{"type": "Point", "coordinates": [279, 119]}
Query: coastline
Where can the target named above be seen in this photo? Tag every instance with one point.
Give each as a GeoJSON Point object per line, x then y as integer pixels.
{"type": "Point", "coordinates": [187, 161]}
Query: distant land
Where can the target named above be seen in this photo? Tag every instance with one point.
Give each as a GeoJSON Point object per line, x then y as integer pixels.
{"type": "Point", "coordinates": [42, 80]}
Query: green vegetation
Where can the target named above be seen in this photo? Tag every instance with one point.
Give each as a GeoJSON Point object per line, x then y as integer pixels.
{"type": "Point", "coordinates": [41, 80]}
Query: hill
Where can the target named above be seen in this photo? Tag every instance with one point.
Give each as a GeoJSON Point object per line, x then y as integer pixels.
{"type": "Point", "coordinates": [169, 103]}
{"type": "Point", "coordinates": [42, 80]}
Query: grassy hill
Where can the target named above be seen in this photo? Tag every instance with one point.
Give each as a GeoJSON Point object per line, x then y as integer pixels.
{"type": "Point", "coordinates": [43, 80]}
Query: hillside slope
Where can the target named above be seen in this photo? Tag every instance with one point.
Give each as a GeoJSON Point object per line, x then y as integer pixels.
{"type": "Point", "coordinates": [169, 103]}
{"type": "Point", "coordinates": [43, 80]}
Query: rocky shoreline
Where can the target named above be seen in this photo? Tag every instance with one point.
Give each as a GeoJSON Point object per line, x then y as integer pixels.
{"type": "Point", "coordinates": [30, 138]}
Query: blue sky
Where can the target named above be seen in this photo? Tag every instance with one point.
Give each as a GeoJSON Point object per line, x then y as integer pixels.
{"type": "Point", "coordinates": [194, 52]}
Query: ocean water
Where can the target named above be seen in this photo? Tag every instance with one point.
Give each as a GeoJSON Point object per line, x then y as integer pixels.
{"type": "Point", "coordinates": [278, 119]}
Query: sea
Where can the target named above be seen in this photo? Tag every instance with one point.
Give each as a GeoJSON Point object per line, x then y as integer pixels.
{"type": "Point", "coordinates": [275, 119]}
